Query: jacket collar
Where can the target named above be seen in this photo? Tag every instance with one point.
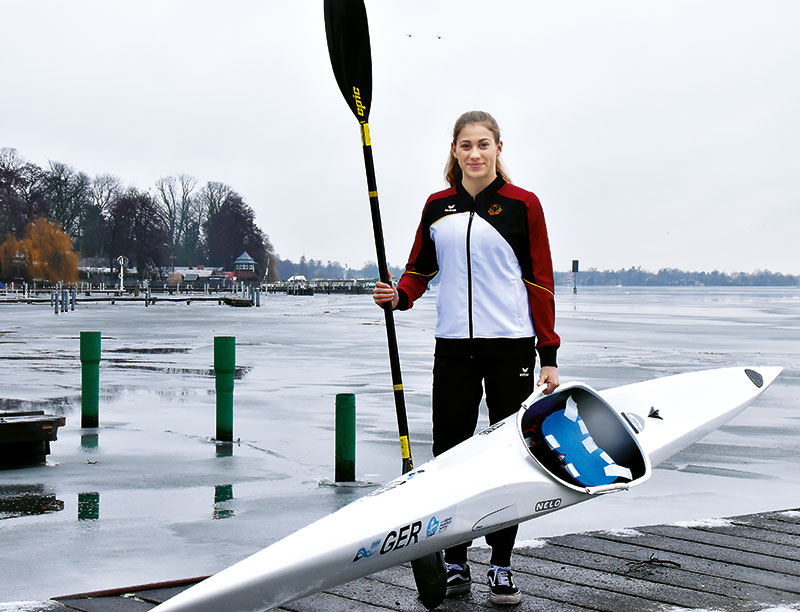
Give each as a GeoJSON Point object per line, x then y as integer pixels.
{"type": "Point", "coordinates": [487, 192]}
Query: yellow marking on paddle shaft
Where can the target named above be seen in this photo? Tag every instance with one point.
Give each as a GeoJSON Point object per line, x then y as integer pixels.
{"type": "Point", "coordinates": [398, 387]}
{"type": "Point", "coordinates": [405, 449]}
{"type": "Point", "coordinates": [373, 194]}
{"type": "Point", "coordinates": [365, 134]}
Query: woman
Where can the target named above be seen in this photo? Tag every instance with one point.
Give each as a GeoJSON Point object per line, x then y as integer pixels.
{"type": "Point", "coordinates": [487, 240]}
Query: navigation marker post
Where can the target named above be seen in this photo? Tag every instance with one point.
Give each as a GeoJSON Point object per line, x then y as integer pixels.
{"type": "Point", "coordinates": [122, 261]}
{"type": "Point", "coordinates": [574, 276]}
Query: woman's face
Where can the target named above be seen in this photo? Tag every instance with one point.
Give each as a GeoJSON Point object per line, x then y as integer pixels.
{"type": "Point", "coordinates": [476, 152]}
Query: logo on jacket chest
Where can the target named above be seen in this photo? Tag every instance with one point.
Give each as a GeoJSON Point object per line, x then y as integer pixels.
{"type": "Point", "coordinates": [495, 209]}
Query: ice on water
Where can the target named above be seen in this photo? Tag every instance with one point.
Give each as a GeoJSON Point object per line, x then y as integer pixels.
{"type": "Point", "coordinates": [149, 496]}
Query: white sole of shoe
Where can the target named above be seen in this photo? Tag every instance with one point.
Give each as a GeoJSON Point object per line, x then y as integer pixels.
{"type": "Point", "coordinates": [505, 600]}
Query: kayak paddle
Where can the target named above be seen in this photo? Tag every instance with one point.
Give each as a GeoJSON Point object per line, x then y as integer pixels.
{"type": "Point", "coordinates": [349, 48]}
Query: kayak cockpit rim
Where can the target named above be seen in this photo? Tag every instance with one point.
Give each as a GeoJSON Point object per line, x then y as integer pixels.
{"type": "Point", "coordinates": [580, 441]}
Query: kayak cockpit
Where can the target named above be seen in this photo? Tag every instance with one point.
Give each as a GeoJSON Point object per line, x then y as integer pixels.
{"type": "Point", "coordinates": [583, 443]}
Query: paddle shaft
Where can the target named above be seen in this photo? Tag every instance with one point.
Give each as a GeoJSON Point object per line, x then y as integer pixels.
{"type": "Point", "coordinates": [347, 31]}
{"type": "Point", "coordinates": [383, 271]}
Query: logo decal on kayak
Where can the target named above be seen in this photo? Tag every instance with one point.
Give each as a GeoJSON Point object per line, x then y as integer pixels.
{"type": "Point", "coordinates": [405, 536]}
{"type": "Point", "coordinates": [490, 429]}
{"type": "Point", "coordinates": [365, 552]}
{"type": "Point", "coordinates": [433, 526]}
{"type": "Point", "coordinates": [548, 504]}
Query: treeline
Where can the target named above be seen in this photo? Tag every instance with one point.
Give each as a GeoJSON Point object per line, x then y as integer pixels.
{"type": "Point", "coordinates": [672, 277]}
{"type": "Point", "coordinates": [176, 223]}
{"type": "Point", "coordinates": [317, 269]}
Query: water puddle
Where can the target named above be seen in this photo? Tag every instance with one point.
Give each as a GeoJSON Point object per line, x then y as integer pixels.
{"type": "Point", "coordinates": [28, 500]}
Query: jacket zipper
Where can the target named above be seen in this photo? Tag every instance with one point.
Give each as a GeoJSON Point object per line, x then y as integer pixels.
{"type": "Point", "coordinates": [469, 281]}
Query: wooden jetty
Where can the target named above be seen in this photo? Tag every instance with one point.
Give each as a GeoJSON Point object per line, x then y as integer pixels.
{"type": "Point", "coordinates": [25, 436]}
{"type": "Point", "coordinates": [744, 563]}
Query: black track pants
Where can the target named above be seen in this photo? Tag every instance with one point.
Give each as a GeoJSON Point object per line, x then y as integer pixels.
{"type": "Point", "coordinates": [458, 385]}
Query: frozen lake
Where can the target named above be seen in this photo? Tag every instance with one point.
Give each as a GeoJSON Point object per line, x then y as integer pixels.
{"type": "Point", "coordinates": [148, 497]}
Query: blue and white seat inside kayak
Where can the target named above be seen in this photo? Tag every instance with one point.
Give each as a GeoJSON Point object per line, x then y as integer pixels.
{"type": "Point", "coordinates": [583, 442]}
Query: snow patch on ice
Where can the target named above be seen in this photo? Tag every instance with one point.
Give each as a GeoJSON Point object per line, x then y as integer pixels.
{"type": "Point", "coordinates": [624, 533]}
{"type": "Point", "coordinates": [791, 513]}
{"type": "Point", "coordinates": [27, 606]}
{"type": "Point", "coordinates": [709, 522]}
{"type": "Point", "coordinates": [533, 543]}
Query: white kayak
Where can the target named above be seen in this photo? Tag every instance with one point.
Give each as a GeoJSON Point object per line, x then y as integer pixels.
{"type": "Point", "coordinates": [558, 450]}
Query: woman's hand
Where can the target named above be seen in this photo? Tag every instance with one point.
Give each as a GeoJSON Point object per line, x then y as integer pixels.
{"type": "Point", "coordinates": [384, 293]}
{"type": "Point", "coordinates": [548, 376]}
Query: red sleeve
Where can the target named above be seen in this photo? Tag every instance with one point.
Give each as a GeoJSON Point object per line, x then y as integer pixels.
{"type": "Point", "coordinates": [541, 288]}
{"type": "Point", "coordinates": [422, 266]}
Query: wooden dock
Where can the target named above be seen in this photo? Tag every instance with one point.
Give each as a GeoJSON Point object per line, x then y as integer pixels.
{"type": "Point", "coordinates": [745, 563]}
{"type": "Point", "coordinates": [25, 436]}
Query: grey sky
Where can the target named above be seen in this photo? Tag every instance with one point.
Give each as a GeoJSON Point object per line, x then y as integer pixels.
{"type": "Point", "coordinates": [656, 133]}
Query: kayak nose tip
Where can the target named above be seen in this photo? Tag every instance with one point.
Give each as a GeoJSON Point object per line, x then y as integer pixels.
{"type": "Point", "coordinates": [763, 377]}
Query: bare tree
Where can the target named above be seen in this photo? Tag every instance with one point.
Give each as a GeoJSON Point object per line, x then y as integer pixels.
{"type": "Point", "coordinates": [174, 201]}
{"type": "Point", "coordinates": [138, 232]}
{"type": "Point", "coordinates": [10, 161]}
{"type": "Point", "coordinates": [104, 188]}
{"type": "Point", "coordinates": [21, 193]}
{"type": "Point", "coordinates": [210, 199]}
{"type": "Point", "coordinates": [67, 193]}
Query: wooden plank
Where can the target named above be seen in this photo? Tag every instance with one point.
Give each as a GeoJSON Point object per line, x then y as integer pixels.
{"type": "Point", "coordinates": [726, 541]}
{"type": "Point", "coordinates": [160, 595]}
{"type": "Point", "coordinates": [781, 522]}
{"type": "Point", "coordinates": [755, 533]}
{"type": "Point", "coordinates": [635, 566]}
{"type": "Point", "coordinates": [327, 602]}
{"type": "Point", "coordinates": [632, 549]}
{"type": "Point", "coordinates": [725, 555]}
{"type": "Point", "coordinates": [106, 604]}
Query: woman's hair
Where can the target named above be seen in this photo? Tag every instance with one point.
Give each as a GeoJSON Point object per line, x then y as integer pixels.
{"type": "Point", "coordinates": [452, 171]}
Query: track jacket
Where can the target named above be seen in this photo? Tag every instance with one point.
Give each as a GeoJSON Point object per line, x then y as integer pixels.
{"type": "Point", "coordinates": [496, 271]}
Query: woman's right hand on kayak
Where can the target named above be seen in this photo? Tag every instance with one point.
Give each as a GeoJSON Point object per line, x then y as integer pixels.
{"type": "Point", "coordinates": [384, 293]}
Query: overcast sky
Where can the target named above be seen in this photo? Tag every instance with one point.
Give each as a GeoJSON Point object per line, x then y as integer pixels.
{"type": "Point", "coordinates": [656, 133]}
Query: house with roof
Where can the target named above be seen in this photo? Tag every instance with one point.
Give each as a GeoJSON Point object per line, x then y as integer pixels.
{"type": "Point", "coordinates": [244, 267]}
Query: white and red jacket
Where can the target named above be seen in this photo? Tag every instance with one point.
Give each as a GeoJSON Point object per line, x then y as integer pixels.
{"type": "Point", "coordinates": [496, 272]}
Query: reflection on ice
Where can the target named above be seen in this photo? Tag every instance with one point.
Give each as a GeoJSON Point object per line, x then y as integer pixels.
{"type": "Point", "coordinates": [27, 500]}
{"type": "Point", "coordinates": [88, 506]}
{"type": "Point", "coordinates": [222, 495]}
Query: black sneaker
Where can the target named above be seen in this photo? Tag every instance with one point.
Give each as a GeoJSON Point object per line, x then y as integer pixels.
{"type": "Point", "coordinates": [503, 591]}
{"type": "Point", "coordinates": [458, 579]}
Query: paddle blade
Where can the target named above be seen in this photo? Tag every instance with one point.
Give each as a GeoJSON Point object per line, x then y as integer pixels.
{"type": "Point", "coordinates": [348, 45]}
{"type": "Point", "coordinates": [430, 574]}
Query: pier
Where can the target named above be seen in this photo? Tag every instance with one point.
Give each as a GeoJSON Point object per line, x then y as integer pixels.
{"type": "Point", "coordinates": [744, 563]}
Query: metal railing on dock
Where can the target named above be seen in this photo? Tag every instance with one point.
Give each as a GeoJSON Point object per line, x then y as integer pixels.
{"type": "Point", "coordinates": [63, 298]}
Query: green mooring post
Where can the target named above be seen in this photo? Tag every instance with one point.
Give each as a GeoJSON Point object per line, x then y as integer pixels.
{"type": "Point", "coordinates": [224, 367]}
{"type": "Point", "coordinates": [90, 378]}
{"type": "Point", "coordinates": [345, 437]}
